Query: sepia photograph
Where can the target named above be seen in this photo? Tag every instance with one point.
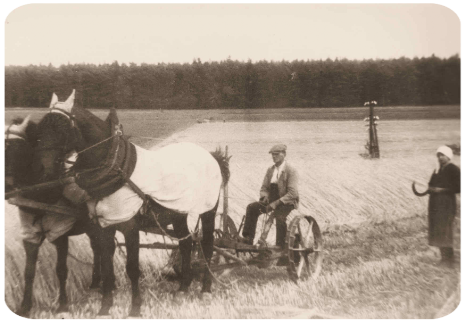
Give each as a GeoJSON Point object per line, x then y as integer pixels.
{"type": "Point", "coordinates": [232, 161]}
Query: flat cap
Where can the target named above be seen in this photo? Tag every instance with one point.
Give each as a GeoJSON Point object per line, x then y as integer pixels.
{"type": "Point", "coordinates": [278, 148]}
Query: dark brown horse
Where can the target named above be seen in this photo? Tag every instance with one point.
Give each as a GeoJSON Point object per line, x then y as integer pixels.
{"type": "Point", "coordinates": [20, 171]}
{"type": "Point", "coordinates": [72, 128]}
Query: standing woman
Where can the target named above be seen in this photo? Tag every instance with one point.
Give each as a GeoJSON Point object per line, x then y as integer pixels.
{"type": "Point", "coordinates": [444, 184]}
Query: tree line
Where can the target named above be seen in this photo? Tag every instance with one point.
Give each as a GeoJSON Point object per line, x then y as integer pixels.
{"type": "Point", "coordinates": [236, 84]}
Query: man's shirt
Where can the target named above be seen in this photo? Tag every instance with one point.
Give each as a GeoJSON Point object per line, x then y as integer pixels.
{"type": "Point", "coordinates": [277, 172]}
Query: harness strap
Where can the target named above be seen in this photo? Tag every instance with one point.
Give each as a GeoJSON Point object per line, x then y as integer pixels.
{"type": "Point", "coordinates": [133, 185]}
{"type": "Point", "coordinates": [140, 193]}
{"type": "Point", "coordinates": [65, 113]}
{"type": "Point", "coordinates": [146, 208]}
{"type": "Point", "coordinates": [108, 179]}
{"type": "Point", "coordinates": [122, 156]}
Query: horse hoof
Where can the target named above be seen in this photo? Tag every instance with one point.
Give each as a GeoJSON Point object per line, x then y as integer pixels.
{"type": "Point", "coordinates": [206, 296]}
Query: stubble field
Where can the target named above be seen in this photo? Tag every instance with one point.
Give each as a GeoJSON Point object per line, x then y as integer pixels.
{"type": "Point", "coordinates": [377, 262]}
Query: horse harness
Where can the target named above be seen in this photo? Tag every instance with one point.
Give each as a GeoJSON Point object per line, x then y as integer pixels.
{"type": "Point", "coordinates": [115, 171]}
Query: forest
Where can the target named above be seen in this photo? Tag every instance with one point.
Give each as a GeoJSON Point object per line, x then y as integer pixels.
{"type": "Point", "coordinates": [239, 84]}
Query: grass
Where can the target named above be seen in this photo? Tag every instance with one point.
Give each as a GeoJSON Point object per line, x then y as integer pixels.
{"type": "Point", "coordinates": [377, 262]}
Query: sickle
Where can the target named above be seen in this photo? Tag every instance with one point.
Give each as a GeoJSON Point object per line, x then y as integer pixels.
{"type": "Point", "coordinates": [419, 194]}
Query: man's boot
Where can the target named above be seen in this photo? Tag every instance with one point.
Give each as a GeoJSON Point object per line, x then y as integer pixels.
{"type": "Point", "coordinates": [281, 229]}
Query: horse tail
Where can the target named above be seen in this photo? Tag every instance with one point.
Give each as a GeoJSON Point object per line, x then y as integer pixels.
{"type": "Point", "coordinates": [223, 162]}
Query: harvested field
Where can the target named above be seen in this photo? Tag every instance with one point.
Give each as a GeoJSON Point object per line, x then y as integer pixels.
{"type": "Point", "coordinates": [377, 264]}
{"type": "Point", "coordinates": [337, 186]}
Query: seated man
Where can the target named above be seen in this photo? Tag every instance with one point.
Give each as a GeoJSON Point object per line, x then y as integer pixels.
{"type": "Point", "coordinates": [279, 193]}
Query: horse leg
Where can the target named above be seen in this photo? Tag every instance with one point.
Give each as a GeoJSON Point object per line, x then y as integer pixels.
{"type": "Point", "coordinates": [185, 245]}
{"type": "Point", "coordinates": [93, 231]}
{"type": "Point", "coordinates": [93, 234]}
{"type": "Point", "coordinates": [131, 236]}
{"type": "Point", "coordinates": [61, 245]}
{"type": "Point", "coordinates": [32, 251]}
{"type": "Point", "coordinates": [108, 250]}
{"type": "Point", "coordinates": [208, 227]}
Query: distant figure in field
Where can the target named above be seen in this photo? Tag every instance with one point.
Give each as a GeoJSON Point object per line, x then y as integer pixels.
{"type": "Point", "coordinates": [443, 185]}
{"type": "Point", "coordinates": [279, 193]}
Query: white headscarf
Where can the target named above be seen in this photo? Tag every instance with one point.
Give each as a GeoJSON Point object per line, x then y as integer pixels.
{"type": "Point", "coordinates": [447, 152]}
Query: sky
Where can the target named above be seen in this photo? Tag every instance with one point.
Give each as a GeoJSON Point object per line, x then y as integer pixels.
{"type": "Point", "coordinates": [179, 33]}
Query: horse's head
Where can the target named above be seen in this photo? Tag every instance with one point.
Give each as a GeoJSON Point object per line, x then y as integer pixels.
{"type": "Point", "coordinates": [20, 139]}
{"type": "Point", "coordinates": [68, 129]}
{"type": "Point", "coordinates": [57, 137]}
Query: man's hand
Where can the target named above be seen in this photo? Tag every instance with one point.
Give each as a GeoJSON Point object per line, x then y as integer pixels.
{"type": "Point", "coordinates": [197, 235]}
{"type": "Point", "coordinates": [272, 206]}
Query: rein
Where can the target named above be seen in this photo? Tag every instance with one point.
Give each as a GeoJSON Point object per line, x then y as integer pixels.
{"type": "Point", "coordinates": [93, 146]}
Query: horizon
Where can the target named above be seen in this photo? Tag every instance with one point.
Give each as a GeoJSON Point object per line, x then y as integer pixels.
{"type": "Point", "coordinates": [236, 60]}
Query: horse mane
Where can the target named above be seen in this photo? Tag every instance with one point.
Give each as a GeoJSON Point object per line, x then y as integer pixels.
{"type": "Point", "coordinates": [223, 162]}
{"type": "Point", "coordinates": [55, 122]}
{"type": "Point", "coordinates": [62, 129]}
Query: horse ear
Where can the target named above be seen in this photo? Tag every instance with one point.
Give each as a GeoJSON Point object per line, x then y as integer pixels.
{"type": "Point", "coordinates": [68, 105]}
{"type": "Point", "coordinates": [22, 127]}
{"type": "Point", "coordinates": [112, 117]}
{"type": "Point", "coordinates": [71, 97]}
{"type": "Point", "coordinates": [54, 100]}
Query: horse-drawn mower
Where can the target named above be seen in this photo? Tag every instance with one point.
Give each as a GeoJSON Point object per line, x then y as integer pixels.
{"type": "Point", "coordinates": [302, 252]}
